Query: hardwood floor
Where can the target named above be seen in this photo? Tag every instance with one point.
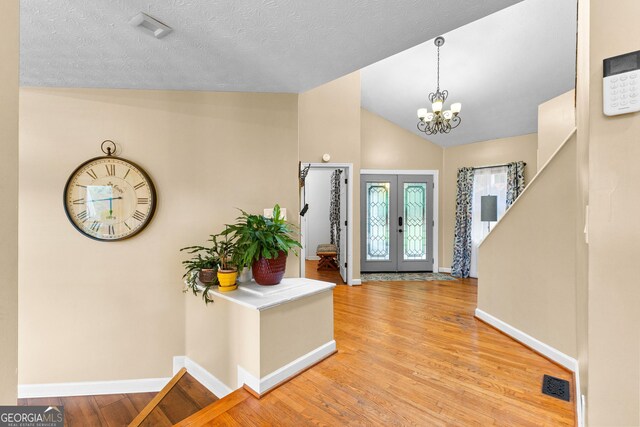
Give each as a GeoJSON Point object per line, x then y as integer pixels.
{"type": "Point", "coordinates": [311, 272]}
{"type": "Point", "coordinates": [117, 410]}
{"type": "Point", "coordinates": [409, 353]}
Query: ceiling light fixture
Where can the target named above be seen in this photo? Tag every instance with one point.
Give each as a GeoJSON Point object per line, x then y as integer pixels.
{"type": "Point", "coordinates": [439, 121]}
{"type": "Point", "coordinates": [151, 24]}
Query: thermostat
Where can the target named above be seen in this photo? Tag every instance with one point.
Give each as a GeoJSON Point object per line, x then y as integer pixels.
{"type": "Point", "coordinates": [621, 84]}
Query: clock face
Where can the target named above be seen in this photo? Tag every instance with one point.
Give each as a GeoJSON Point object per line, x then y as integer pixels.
{"type": "Point", "coordinates": [109, 199]}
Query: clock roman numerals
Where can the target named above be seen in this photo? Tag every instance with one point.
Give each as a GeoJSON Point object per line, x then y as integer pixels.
{"type": "Point", "coordinates": [109, 198]}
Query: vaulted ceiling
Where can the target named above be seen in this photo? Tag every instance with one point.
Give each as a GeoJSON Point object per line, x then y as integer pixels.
{"type": "Point", "coordinates": [500, 68]}
{"type": "Point", "coordinates": [226, 45]}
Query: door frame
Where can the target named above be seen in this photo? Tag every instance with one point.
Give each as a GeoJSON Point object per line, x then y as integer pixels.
{"type": "Point", "coordinates": [436, 195]}
{"type": "Point", "coordinates": [303, 221]}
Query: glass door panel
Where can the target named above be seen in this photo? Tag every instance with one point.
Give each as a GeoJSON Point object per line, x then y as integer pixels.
{"type": "Point", "coordinates": [416, 233]}
{"type": "Point", "coordinates": [378, 243]}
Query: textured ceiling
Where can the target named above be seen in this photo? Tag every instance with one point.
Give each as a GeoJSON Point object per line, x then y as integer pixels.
{"type": "Point", "coordinates": [226, 45]}
{"type": "Point", "coordinates": [500, 68]}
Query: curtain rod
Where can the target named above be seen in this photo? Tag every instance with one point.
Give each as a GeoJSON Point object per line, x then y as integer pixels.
{"type": "Point", "coordinates": [494, 166]}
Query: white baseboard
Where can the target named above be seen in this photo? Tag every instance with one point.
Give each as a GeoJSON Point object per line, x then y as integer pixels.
{"type": "Point", "coordinates": [266, 383]}
{"type": "Point", "coordinates": [204, 377]}
{"type": "Point", "coordinates": [444, 270]}
{"type": "Point", "coordinates": [556, 355]}
{"type": "Point", "coordinates": [355, 282]}
{"type": "Point", "coordinates": [91, 388]}
{"type": "Point", "coordinates": [313, 258]}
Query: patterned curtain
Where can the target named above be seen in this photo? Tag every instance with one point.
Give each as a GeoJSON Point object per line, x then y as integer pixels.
{"type": "Point", "coordinates": [515, 181]}
{"type": "Point", "coordinates": [462, 240]}
{"type": "Point", "coordinates": [334, 210]}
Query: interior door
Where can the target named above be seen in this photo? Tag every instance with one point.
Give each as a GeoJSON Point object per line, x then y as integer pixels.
{"type": "Point", "coordinates": [343, 226]}
{"type": "Point", "coordinates": [396, 223]}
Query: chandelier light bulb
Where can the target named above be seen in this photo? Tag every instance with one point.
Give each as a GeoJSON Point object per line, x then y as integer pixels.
{"type": "Point", "coordinates": [422, 113]}
{"type": "Point", "coordinates": [456, 107]}
{"type": "Point", "coordinates": [437, 106]}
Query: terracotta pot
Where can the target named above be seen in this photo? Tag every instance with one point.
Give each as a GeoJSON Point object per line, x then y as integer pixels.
{"type": "Point", "coordinates": [269, 272]}
{"type": "Point", "coordinates": [207, 275]}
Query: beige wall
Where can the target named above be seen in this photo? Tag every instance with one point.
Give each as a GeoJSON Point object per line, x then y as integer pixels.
{"type": "Point", "coordinates": [386, 145]}
{"type": "Point", "coordinates": [289, 331]}
{"type": "Point", "coordinates": [556, 119]}
{"type": "Point", "coordinates": [526, 274]}
{"type": "Point", "coordinates": [485, 153]}
{"type": "Point", "coordinates": [107, 311]}
{"type": "Point", "coordinates": [9, 66]}
{"type": "Point", "coordinates": [222, 335]}
{"type": "Point", "coordinates": [329, 122]}
{"type": "Point", "coordinates": [614, 234]}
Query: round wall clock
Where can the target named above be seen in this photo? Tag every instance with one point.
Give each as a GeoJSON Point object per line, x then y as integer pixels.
{"type": "Point", "coordinates": [109, 198]}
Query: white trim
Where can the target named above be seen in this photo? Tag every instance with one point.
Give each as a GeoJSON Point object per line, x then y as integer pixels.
{"type": "Point", "coordinates": [313, 258]}
{"type": "Point", "coordinates": [266, 383]}
{"type": "Point", "coordinates": [356, 282]}
{"type": "Point", "coordinates": [204, 377]}
{"type": "Point", "coordinates": [91, 388]}
{"type": "Point", "coordinates": [557, 356]}
{"type": "Point", "coordinates": [445, 270]}
{"type": "Point", "coordinates": [303, 221]}
{"type": "Point", "coordinates": [436, 200]}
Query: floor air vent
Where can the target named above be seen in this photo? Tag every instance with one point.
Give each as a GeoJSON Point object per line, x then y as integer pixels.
{"type": "Point", "coordinates": [556, 387]}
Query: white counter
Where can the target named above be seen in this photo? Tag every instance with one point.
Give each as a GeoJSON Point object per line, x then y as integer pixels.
{"type": "Point", "coordinates": [252, 295]}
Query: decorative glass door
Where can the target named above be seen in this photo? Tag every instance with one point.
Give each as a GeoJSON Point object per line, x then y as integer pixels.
{"type": "Point", "coordinates": [396, 223]}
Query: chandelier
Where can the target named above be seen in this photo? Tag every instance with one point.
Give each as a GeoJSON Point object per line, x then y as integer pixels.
{"type": "Point", "coordinates": [439, 121]}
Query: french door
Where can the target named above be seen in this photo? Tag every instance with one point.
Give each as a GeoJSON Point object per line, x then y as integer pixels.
{"type": "Point", "coordinates": [396, 223]}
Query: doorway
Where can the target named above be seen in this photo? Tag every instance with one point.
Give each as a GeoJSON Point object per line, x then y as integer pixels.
{"type": "Point", "coordinates": [397, 222]}
{"type": "Point", "coordinates": [326, 204]}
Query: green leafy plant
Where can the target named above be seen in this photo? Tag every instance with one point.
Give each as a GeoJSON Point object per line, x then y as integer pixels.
{"type": "Point", "coordinates": [202, 258]}
{"type": "Point", "coordinates": [257, 236]}
{"type": "Point", "coordinates": [225, 250]}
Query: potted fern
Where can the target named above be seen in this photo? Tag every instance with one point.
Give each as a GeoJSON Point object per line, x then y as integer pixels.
{"type": "Point", "coordinates": [201, 267]}
{"type": "Point", "coordinates": [262, 243]}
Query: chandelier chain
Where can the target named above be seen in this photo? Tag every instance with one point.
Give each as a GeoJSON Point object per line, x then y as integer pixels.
{"type": "Point", "coordinates": [438, 73]}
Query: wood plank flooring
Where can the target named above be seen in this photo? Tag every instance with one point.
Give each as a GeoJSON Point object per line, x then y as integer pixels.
{"type": "Point", "coordinates": [311, 272]}
{"type": "Point", "coordinates": [117, 410]}
{"type": "Point", "coordinates": [409, 353]}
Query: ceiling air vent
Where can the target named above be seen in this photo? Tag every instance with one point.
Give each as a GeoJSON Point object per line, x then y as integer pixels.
{"type": "Point", "coordinates": [150, 24]}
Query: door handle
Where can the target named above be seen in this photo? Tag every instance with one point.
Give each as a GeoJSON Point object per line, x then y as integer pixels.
{"type": "Point", "coordinates": [399, 224]}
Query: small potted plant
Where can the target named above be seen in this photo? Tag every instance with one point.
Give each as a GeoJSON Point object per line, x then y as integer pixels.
{"type": "Point", "coordinates": [263, 243]}
{"type": "Point", "coordinates": [201, 267]}
{"type": "Point", "coordinates": [227, 272]}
